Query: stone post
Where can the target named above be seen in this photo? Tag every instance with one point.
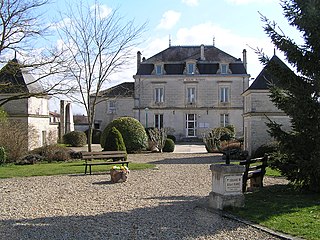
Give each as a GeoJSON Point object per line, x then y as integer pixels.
{"type": "Point", "coordinates": [226, 186]}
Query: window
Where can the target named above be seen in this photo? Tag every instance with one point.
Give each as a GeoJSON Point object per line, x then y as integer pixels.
{"type": "Point", "coordinates": [224, 120]}
{"type": "Point", "coordinates": [158, 121]}
{"type": "Point", "coordinates": [190, 68]}
{"type": "Point", "coordinates": [224, 68]}
{"type": "Point", "coordinates": [158, 69]}
{"type": "Point", "coordinates": [111, 106]}
{"type": "Point", "coordinates": [191, 94]}
{"type": "Point", "coordinates": [159, 95]}
{"type": "Point", "coordinates": [224, 94]}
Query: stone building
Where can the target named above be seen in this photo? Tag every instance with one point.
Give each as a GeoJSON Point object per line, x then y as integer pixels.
{"type": "Point", "coordinates": [30, 109]}
{"type": "Point", "coordinates": [32, 112]}
{"type": "Point", "coordinates": [258, 109]}
{"type": "Point", "coordinates": [189, 89]}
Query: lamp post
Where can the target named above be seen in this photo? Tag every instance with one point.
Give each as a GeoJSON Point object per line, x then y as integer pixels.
{"type": "Point", "coordinates": [146, 110]}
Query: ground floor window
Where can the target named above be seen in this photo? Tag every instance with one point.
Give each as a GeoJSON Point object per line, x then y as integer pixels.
{"type": "Point", "coordinates": [224, 120]}
{"type": "Point", "coordinates": [191, 125]}
{"type": "Point", "coordinates": [158, 121]}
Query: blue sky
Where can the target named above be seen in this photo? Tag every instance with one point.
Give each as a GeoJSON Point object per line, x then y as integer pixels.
{"type": "Point", "coordinates": [235, 25]}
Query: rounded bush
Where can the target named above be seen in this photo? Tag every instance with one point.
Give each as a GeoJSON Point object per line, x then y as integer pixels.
{"type": "Point", "coordinates": [75, 139]}
{"type": "Point", "coordinates": [172, 137]}
{"type": "Point", "coordinates": [169, 145]}
{"type": "Point", "coordinates": [3, 155]}
{"type": "Point", "coordinates": [96, 135]}
{"type": "Point", "coordinates": [133, 133]}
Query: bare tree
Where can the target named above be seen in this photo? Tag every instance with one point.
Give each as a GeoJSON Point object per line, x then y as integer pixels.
{"type": "Point", "coordinates": [99, 45]}
{"type": "Point", "coordinates": [21, 28]}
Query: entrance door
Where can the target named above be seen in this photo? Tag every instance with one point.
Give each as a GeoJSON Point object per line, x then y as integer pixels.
{"type": "Point", "coordinates": [191, 125]}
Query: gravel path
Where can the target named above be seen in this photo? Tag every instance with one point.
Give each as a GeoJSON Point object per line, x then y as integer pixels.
{"type": "Point", "coordinates": [162, 203]}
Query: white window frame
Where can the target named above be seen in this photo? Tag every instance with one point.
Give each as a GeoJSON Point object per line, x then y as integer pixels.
{"type": "Point", "coordinates": [224, 68]}
{"type": "Point", "coordinates": [224, 94]}
{"type": "Point", "coordinates": [158, 69]}
{"type": "Point", "coordinates": [159, 94]}
{"type": "Point", "coordinates": [191, 68]}
{"type": "Point", "coordinates": [191, 125]}
{"type": "Point", "coordinates": [112, 106]}
{"type": "Point", "coordinates": [224, 120]}
{"type": "Point", "coordinates": [158, 121]}
{"type": "Point", "coordinates": [191, 94]}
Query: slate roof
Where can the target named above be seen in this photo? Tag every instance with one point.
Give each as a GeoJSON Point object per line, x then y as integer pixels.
{"type": "Point", "coordinates": [174, 59]}
{"type": "Point", "coordinates": [125, 89]}
{"type": "Point", "coordinates": [261, 82]}
{"type": "Point", "coordinates": [14, 79]}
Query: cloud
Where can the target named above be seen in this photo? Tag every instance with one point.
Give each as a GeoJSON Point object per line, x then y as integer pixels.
{"type": "Point", "coordinates": [169, 19]}
{"type": "Point", "coordinates": [103, 10]}
{"type": "Point", "coordinates": [191, 3]}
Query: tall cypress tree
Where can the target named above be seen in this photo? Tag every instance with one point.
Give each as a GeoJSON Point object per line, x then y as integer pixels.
{"type": "Point", "coordinates": [297, 94]}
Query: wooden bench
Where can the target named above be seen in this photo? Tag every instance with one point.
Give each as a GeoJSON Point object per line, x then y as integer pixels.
{"type": "Point", "coordinates": [255, 170]}
{"type": "Point", "coordinates": [116, 157]}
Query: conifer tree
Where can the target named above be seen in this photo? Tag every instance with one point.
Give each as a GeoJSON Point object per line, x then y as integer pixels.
{"type": "Point", "coordinates": [297, 94]}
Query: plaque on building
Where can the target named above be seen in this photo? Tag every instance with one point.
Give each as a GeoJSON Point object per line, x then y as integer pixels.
{"type": "Point", "coordinates": [233, 183]}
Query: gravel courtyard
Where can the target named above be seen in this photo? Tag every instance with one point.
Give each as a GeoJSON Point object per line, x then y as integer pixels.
{"type": "Point", "coordinates": [163, 203]}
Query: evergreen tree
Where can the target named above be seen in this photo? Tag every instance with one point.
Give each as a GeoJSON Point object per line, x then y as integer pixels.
{"type": "Point", "coordinates": [114, 141]}
{"type": "Point", "coordinates": [298, 95]}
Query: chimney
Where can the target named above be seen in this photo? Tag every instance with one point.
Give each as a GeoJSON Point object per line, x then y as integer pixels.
{"type": "Point", "coordinates": [202, 52]}
{"type": "Point", "coordinates": [244, 52]}
{"type": "Point", "coordinates": [138, 59]}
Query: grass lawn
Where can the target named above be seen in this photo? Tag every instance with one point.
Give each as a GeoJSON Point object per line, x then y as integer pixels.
{"type": "Point", "coordinates": [283, 209]}
{"type": "Point", "coordinates": [58, 168]}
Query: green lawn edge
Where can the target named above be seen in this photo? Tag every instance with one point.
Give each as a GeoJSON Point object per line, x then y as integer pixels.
{"type": "Point", "coordinates": [58, 168]}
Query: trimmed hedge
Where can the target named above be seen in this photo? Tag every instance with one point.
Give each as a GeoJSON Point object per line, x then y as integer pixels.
{"type": "Point", "coordinates": [169, 145]}
{"type": "Point", "coordinates": [75, 139]}
{"type": "Point", "coordinates": [134, 135]}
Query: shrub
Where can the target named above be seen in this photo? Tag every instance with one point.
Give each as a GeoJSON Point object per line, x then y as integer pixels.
{"type": "Point", "coordinates": [3, 155]}
{"type": "Point", "coordinates": [172, 137]}
{"type": "Point", "coordinates": [30, 159]}
{"type": "Point", "coordinates": [169, 145]}
{"type": "Point", "coordinates": [114, 141]}
{"type": "Point", "coordinates": [134, 135]}
{"type": "Point", "coordinates": [96, 135]}
{"type": "Point", "coordinates": [52, 153]}
{"type": "Point", "coordinates": [75, 139]}
{"type": "Point", "coordinates": [75, 155]}
{"type": "Point", "coordinates": [268, 148]}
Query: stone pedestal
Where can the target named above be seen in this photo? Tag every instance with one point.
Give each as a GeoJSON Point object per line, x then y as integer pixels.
{"type": "Point", "coordinates": [226, 186]}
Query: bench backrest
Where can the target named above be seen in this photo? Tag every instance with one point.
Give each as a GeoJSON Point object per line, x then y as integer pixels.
{"type": "Point", "coordinates": [104, 155]}
{"type": "Point", "coordinates": [255, 164]}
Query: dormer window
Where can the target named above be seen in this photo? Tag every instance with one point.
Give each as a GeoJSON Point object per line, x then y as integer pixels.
{"type": "Point", "coordinates": [224, 68]}
{"type": "Point", "coordinates": [158, 69]}
{"type": "Point", "coordinates": [190, 68]}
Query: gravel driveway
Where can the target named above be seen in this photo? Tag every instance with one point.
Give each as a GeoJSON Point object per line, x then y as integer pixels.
{"type": "Point", "coordinates": [163, 203]}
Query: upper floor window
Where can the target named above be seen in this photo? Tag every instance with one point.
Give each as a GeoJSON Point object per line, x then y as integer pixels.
{"type": "Point", "coordinates": [224, 68]}
{"type": "Point", "coordinates": [224, 120]}
{"type": "Point", "coordinates": [190, 68]}
{"type": "Point", "coordinates": [159, 95]}
{"type": "Point", "coordinates": [224, 94]}
{"type": "Point", "coordinates": [158, 69]}
{"type": "Point", "coordinates": [111, 106]}
{"type": "Point", "coordinates": [191, 94]}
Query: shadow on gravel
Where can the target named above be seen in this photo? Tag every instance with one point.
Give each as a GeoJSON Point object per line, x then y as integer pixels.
{"type": "Point", "coordinates": [179, 217]}
{"type": "Point", "coordinates": [190, 160]}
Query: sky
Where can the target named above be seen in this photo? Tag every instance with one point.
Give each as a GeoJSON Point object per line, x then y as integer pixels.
{"type": "Point", "coordinates": [233, 25]}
